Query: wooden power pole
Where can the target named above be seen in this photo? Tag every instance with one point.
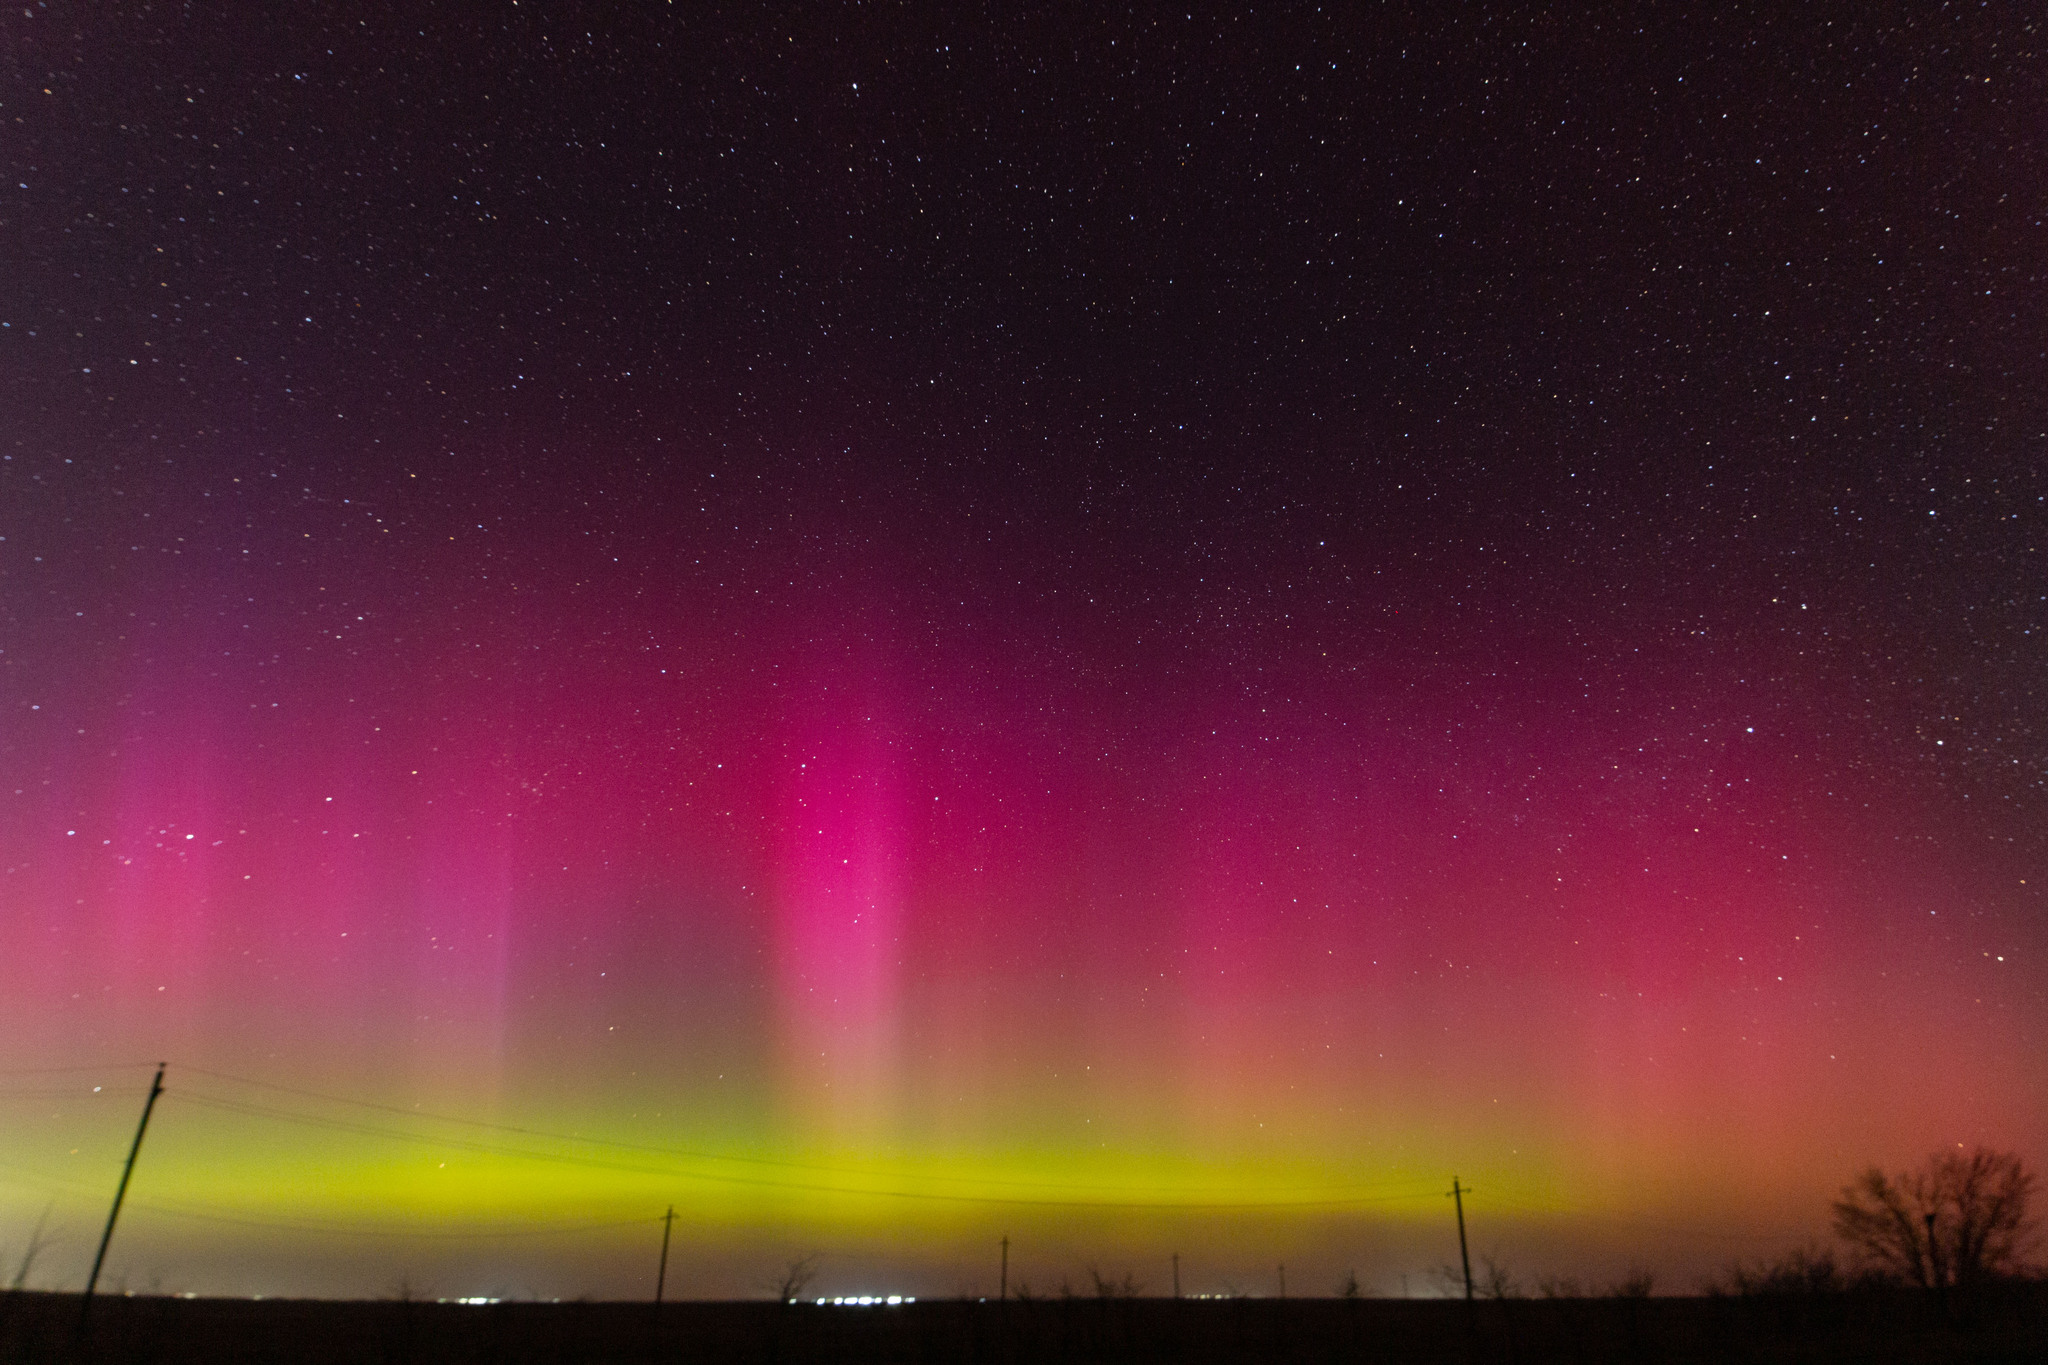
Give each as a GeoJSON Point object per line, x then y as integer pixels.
{"type": "Point", "coordinates": [1458, 1194]}
{"type": "Point", "coordinates": [668, 1221]}
{"type": "Point", "coordinates": [1003, 1284]}
{"type": "Point", "coordinates": [156, 1087]}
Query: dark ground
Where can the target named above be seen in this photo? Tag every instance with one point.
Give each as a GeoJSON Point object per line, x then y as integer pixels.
{"type": "Point", "coordinates": [2010, 1324]}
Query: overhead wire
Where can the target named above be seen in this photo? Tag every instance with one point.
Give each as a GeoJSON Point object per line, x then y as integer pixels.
{"type": "Point", "coordinates": [58, 1070]}
{"type": "Point", "coordinates": [381, 1230]}
{"type": "Point", "coordinates": [805, 1187]}
{"type": "Point", "coordinates": [40, 1180]}
{"type": "Point", "coordinates": [1323, 1196]}
{"type": "Point", "coordinates": [1631, 1220]}
{"type": "Point", "coordinates": [1362, 1196]}
{"type": "Point", "coordinates": [27, 1178]}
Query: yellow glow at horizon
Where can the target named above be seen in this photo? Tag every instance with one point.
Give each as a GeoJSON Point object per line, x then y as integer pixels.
{"type": "Point", "coordinates": [212, 1162]}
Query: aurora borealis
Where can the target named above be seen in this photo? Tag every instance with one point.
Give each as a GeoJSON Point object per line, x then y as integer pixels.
{"type": "Point", "coordinates": [1150, 633]}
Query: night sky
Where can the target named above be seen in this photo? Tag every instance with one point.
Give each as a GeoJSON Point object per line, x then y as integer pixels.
{"type": "Point", "coordinates": [896, 625]}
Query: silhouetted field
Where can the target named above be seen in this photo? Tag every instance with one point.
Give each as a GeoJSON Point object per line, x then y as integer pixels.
{"type": "Point", "coordinates": [2009, 1323]}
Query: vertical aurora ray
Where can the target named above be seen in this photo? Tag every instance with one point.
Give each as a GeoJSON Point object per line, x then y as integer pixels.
{"type": "Point", "coordinates": [838, 887]}
{"type": "Point", "coordinates": [1229, 952]}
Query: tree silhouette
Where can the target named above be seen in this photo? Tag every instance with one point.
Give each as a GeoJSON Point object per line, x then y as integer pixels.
{"type": "Point", "coordinates": [1105, 1288]}
{"type": "Point", "coordinates": [796, 1277]}
{"type": "Point", "coordinates": [1495, 1282]}
{"type": "Point", "coordinates": [1637, 1284]}
{"type": "Point", "coordinates": [1959, 1219]}
{"type": "Point", "coordinates": [1808, 1270]}
{"type": "Point", "coordinates": [37, 1244]}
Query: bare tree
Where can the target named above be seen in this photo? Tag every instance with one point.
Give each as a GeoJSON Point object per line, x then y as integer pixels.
{"type": "Point", "coordinates": [1808, 1271]}
{"type": "Point", "coordinates": [1637, 1284]}
{"type": "Point", "coordinates": [1495, 1282]}
{"type": "Point", "coordinates": [796, 1277]}
{"type": "Point", "coordinates": [1960, 1218]}
{"type": "Point", "coordinates": [1106, 1288]}
{"type": "Point", "coordinates": [37, 1243]}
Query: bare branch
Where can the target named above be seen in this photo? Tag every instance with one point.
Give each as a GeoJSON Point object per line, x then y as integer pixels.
{"type": "Point", "coordinates": [1959, 1219]}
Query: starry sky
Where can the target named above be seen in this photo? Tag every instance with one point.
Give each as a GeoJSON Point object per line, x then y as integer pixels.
{"type": "Point", "coordinates": [896, 624]}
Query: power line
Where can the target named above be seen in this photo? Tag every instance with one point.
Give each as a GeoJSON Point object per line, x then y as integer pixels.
{"type": "Point", "coordinates": [1350, 1197]}
{"type": "Point", "coordinates": [684, 1153]}
{"type": "Point", "coordinates": [1339, 1198]}
{"type": "Point", "coordinates": [40, 1180]}
{"type": "Point", "coordinates": [1630, 1220]}
{"type": "Point", "coordinates": [764, 1182]}
{"type": "Point", "coordinates": [523, 1131]}
{"type": "Point", "coordinates": [176, 1209]}
{"type": "Point", "coordinates": [28, 1177]}
{"type": "Point", "coordinates": [60, 1070]}
{"type": "Point", "coordinates": [387, 1230]}
{"type": "Point", "coordinates": [1320, 1199]}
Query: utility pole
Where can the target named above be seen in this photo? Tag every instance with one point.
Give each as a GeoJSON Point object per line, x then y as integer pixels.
{"type": "Point", "coordinates": [1176, 1274]}
{"type": "Point", "coordinates": [1003, 1284]}
{"type": "Point", "coordinates": [156, 1087]}
{"type": "Point", "coordinates": [1458, 1194]}
{"type": "Point", "coordinates": [1283, 1281]}
{"type": "Point", "coordinates": [668, 1221]}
